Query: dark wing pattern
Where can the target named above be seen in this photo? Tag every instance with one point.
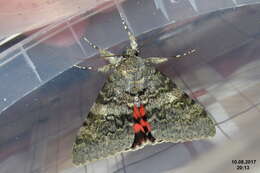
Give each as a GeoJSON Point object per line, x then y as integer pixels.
{"type": "Point", "coordinates": [173, 115]}
{"type": "Point", "coordinates": [106, 131]}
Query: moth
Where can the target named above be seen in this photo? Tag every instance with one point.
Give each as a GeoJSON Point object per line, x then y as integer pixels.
{"type": "Point", "coordinates": [138, 105]}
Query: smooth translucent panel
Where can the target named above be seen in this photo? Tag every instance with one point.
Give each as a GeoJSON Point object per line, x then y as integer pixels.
{"type": "Point", "coordinates": [47, 100]}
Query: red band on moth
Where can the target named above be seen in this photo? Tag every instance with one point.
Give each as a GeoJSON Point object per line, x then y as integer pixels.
{"type": "Point", "coordinates": [146, 124]}
{"type": "Point", "coordinates": [140, 113]}
{"type": "Point", "coordinates": [137, 128]}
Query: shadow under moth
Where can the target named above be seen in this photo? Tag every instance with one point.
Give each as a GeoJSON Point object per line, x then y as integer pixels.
{"type": "Point", "coordinates": [137, 105]}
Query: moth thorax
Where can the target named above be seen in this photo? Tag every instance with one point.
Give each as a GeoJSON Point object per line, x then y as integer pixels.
{"type": "Point", "coordinates": [130, 52]}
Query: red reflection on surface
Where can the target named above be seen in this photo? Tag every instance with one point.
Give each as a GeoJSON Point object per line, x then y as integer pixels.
{"type": "Point", "coordinates": [65, 39]}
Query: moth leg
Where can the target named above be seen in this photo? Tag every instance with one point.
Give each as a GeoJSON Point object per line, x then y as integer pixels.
{"type": "Point", "coordinates": [106, 68]}
{"type": "Point", "coordinates": [156, 60]}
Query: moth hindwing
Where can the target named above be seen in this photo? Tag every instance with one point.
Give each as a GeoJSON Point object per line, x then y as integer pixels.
{"type": "Point", "coordinates": [138, 105]}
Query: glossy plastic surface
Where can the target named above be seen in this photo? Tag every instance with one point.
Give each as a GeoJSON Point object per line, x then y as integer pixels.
{"type": "Point", "coordinates": [44, 101]}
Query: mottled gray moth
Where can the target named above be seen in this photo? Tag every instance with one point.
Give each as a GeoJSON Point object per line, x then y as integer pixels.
{"type": "Point", "coordinates": [137, 105]}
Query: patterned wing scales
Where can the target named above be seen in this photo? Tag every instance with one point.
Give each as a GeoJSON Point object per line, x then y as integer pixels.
{"type": "Point", "coordinates": [106, 131]}
{"type": "Point", "coordinates": [174, 116]}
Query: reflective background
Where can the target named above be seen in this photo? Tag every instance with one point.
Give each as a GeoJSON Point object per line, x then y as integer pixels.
{"type": "Point", "coordinates": [43, 101]}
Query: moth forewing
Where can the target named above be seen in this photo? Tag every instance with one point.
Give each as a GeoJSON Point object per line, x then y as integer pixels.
{"type": "Point", "coordinates": [138, 105]}
{"type": "Point", "coordinates": [172, 114]}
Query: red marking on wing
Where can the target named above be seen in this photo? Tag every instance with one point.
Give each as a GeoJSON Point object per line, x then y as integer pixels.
{"type": "Point", "coordinates": [146, 124]}
{"type": "Point", "coordinates": [137, 128]}
{"type": "Point", "coordinates": [142, 129]}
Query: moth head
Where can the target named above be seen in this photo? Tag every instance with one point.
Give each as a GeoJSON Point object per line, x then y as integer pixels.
{"type": "Point", "coordinates": [137, 101]}
{"type": "Point", "coordinates": [130, 53]}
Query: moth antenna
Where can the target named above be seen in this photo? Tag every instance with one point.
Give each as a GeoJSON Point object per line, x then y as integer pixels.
{"type": "Point", "coordinates": [91, 44]}
{"type": "Point", "coordinates": [82, 67]}
{"type": "Point", "coordinates": [131, 37]}
{"type": "Point", "coordinates": [111, 56]}
{"type": "Point", "coordinates": [103, 52]}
